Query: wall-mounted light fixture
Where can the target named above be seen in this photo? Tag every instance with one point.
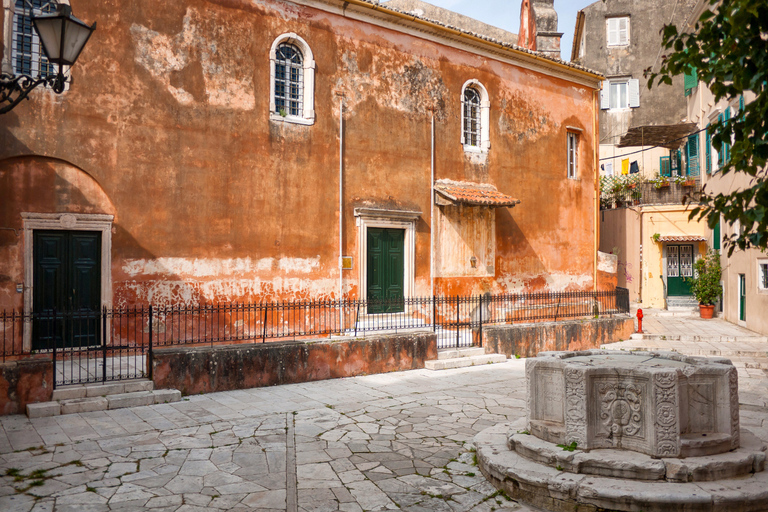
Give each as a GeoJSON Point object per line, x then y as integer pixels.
{"type": "Point", "coordinates": [473, 262]}
{"type": "Point", "coordinates": [62, 37]}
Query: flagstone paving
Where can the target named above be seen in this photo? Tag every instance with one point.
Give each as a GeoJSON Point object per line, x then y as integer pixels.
{"type": "Point", "coordinates": [380, 442]}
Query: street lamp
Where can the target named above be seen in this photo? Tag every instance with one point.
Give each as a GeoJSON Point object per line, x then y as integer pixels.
{"type": "Point", "coordinates": [62, 37]}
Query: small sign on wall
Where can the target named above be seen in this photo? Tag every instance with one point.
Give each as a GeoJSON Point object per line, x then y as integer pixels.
{"type": "Point", "coordinates": [346, 263]}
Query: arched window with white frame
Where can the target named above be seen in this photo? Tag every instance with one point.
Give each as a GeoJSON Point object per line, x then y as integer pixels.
{"type": "Point", "coordinates": [292, 80]}
{"type": "Point", "coordinates": [475, 107]}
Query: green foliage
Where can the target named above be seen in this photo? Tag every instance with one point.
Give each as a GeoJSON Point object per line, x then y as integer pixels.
{"type": "Point", "coordinates": [728, 51]}
{"type": "Point", "coordinates": [568, 447]}
{"type": "Point", "coordinates": [659, 181]}
{"type": "Point", "coordinates": [705, 283]}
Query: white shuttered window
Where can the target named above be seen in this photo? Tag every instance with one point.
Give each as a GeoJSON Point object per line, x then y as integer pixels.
{"type": "Point", "coordinates": [618, 31]}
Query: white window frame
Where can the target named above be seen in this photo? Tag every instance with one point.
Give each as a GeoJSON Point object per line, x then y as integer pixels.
{"type": "Point", "coordinates": [485, 107]}
{"type": "Point", "coordinates": [9, 53]}
{"type": "Point", "coordinates": [572, 141]}
{"type": "Point", "coordinates": [308, 104]}
{"type": "Point", "coordinates": [616, 31]}
{"type": "Point", "coordinates": [762, 275]}
{"type": "Point", "coordinates": [611, 89]}
{"type": "Point", "coordinates": [64, 222]}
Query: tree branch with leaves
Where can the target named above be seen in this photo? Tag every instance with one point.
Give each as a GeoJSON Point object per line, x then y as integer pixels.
{"type": "Point", "coordinates": [728, 52]}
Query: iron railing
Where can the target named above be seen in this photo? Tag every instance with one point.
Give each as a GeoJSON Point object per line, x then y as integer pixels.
{"type": "Point", "coordinates": [117, 343]}
{"type": "Point", "coordinates": [649, 193]}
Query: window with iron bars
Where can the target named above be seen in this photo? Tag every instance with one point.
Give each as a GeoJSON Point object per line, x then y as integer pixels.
{"type": "Point", "coordinates": [27, 57]}
{"type": "Point", "coordinates": [289, 81]}
{"type": "Point", "coordinates": [472, 125]}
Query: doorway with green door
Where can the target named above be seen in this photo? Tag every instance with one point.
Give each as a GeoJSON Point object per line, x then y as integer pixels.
{"type": "Point", "coordinates": [386, 244]}
{"type": "Point", "coordinates": [679, 269]}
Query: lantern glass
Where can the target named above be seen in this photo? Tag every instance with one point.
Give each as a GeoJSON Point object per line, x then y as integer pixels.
{"type": "Point", "coordinates": [62, 35]}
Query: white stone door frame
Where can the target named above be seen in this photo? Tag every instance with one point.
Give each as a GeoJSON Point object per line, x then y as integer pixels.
{"type": "Point", "coordinates": [390, 219]}
{"type": "Point", "coordinates": [64, 222]}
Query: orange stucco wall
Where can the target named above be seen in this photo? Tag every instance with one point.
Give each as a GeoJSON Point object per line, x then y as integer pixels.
{"type": "Point", "coordinates": [166, 126]}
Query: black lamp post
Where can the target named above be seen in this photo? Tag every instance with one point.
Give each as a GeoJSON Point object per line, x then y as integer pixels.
{"type": "Point", "coordinates": [62, 37]}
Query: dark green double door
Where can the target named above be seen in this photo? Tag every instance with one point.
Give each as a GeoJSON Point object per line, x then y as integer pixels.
{"type": "Point", "coordinates": [385, 270]}
{"type": "Point", "coordinates": [67, 282]}
{"type": "Point", "coordinates": [679, 270]}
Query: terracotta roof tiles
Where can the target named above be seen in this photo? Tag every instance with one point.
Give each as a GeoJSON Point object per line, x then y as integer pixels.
{"type": "Point", "coordinates": [474, 194]}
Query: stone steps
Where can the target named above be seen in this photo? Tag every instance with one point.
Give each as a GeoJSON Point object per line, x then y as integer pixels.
{"type": "Point", "coordinates": [102, 397]}
{"type": "Point", "coordinates": [462, 357]}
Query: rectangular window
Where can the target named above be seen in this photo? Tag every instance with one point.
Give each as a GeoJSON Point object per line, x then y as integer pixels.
{"type": "Point", "coordinates": [573, 154]}
{"type": "Point", "coordinates": [617, 30]}
{"type": "Point", "coordinates": [27, 55]}
{"type": "Point", "coordinates": [692, 155]}
{"type": "Point", "coordinates": [708, 147]}
{"type": "Point", "coordinates": [664, 166]}
{"type": "Point", "coordinates": [762, 275]}
{"type": "Point", "coordinates": [618, 95]}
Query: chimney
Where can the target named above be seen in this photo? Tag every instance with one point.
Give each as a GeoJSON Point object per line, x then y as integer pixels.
{"type": "Point", "coordinates": [538, 27]}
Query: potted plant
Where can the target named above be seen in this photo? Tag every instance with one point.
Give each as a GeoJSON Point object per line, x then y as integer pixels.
{"type": "Point", "coordinates": [659, 182]}
{"type": "Point", "coordinates": [705, 283]}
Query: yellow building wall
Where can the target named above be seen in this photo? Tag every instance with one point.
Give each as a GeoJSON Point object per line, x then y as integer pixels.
{"type": "Point", "coordinates": [664, 220]}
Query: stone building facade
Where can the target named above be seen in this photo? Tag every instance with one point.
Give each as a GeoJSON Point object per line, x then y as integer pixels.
{"type": "Point", "coordinates": [233, 150]}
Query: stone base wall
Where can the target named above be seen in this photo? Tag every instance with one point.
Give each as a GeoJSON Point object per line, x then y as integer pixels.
{"type": "Point", "coordinates": [221, 368]}
{"type": "Point", "coordinates": [24, 382]}
{"type": "Point", "coordinates": [527, 340]}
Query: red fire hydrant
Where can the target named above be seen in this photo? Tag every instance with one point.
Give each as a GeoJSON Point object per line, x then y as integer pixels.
{"type": "Point", "coordinates": [639, 321]}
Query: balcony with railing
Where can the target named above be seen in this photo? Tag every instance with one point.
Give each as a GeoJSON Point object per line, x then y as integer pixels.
{"type": "Point", "coordinates": [634, 190]}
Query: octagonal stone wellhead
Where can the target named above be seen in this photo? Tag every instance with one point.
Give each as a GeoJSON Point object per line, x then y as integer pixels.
{"type": "Point", "coordinates": [614, 430]}
{"type": "Point", "coordinates": [665, 405]}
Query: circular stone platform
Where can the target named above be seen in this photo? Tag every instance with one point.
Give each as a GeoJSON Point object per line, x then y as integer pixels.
{"type": "Point", "coordinates": [609, 430]}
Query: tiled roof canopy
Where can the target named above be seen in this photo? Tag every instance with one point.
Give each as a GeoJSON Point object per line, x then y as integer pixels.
{"type": "Point", "coordinates": [473, 194]}
{"type": "Point", "coordinates": [682, 238]}
{"type": "Point", "coordinates": [669, 136]}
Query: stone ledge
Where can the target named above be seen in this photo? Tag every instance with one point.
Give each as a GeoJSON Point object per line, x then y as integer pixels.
{"type": "Point", "coordinates": [551, 489]}
{"type": "Point", "coordinates": [463, 362]}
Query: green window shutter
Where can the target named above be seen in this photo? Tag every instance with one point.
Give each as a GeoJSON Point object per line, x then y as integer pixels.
{"type": "Point", "coordinates": [664, 166]}
{"type": "Point", "coordinates": [708, 151]}
{"type": "Point", "coordinates": [716, 236]}
{"type": "Point", "coordinates": [741, 103]}
{"type": "Point", "coordinates": [692, 149]}
{"type": "Point", "coordinates": [727, 146]}
{"type": "Point", "coordinates": [690, 81]}
{"type": "Point", "coordinates": [720, 159]}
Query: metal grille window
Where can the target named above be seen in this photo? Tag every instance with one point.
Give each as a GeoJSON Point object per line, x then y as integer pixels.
{"type": "Point", "coordinates": [289, 80]}
{"type": "Point", "coordinates": [763, 276]}
{"type": "Point", "coordinates": [472, 125]}
{"type": "Point", "coordinates": [27, 55]}
{"type": "Point", "coordinates": [573, 145]}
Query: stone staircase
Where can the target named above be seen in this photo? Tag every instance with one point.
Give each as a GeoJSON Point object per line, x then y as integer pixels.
{"type": "Point", "coordinates": [682, 304]}
{"type": "Point", "coordinates": [462, 357]}
{"type": "Point", "coordinates": [102, 397]}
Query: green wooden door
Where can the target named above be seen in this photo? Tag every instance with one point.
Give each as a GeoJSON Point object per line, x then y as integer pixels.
{"type": "Point", "coordinates": [742, 297]}
{"type": "Point", "coordinates": [67, 280]}
{"type": "Point", "coordinates": [679, 270]}
{"type": "Point", "coordinates": [385, 270]}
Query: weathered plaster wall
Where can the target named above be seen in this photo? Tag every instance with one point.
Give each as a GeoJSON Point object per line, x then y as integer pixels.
{"type": "Point", "coordinates": [166, 126]}
{"type": "Point", "coordinates": [620, 236]}
{"type": "Point", "coordinates": [529, 340]}
{"type": "Point", "coordinates": [663, 104]}
{"type": "Point", "coordinates": [24, 382]}
{"type": "Point", "coordinates": [207, 369]}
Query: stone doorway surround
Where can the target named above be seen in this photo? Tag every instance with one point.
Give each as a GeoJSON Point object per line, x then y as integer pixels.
{"type": "Point", "coordinates": [64, 222]}
{"type": "Point", "coordinates": [394, 219]}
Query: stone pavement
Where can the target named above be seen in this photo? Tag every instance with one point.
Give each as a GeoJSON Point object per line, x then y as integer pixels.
{"type": "Point", "coordinates": [679, 324]}
{"type": "Point", "coordinates": [379, 442]}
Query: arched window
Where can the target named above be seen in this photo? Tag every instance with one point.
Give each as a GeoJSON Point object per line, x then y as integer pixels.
{"type": "Point", "coordinates": [475, 117]}
{"type": "Point", "coordinates": [289, 80]}
{"type": "Point", "coordinates": [292, 72]}
{"type": "Point", "coordinates": [471, 117]}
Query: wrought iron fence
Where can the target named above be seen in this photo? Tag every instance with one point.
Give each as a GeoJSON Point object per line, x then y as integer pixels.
{"type": "Point", "coordinates": [115, 344]}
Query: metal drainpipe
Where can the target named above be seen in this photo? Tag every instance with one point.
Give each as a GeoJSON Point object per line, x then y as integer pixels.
{"type": "Point", "coordinates": [596, 166]}
{"type": "Point", "coordinates": [341, 198]}
{"type": "Point", "coordinates": [432, 214]}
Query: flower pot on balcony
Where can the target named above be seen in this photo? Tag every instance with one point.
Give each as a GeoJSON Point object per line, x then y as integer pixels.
{"type": "Point", "coordinates": [706, 311]}
{"type": "Point", "coordinates": [688, 183]}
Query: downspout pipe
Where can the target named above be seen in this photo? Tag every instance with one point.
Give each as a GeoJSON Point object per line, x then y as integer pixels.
{"type": "Point", "coordinates": [432, 213]}
{"type": "Point", "coordinates": [596, 167]}
{"type": "Point", "coordinates": [341, 198]}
